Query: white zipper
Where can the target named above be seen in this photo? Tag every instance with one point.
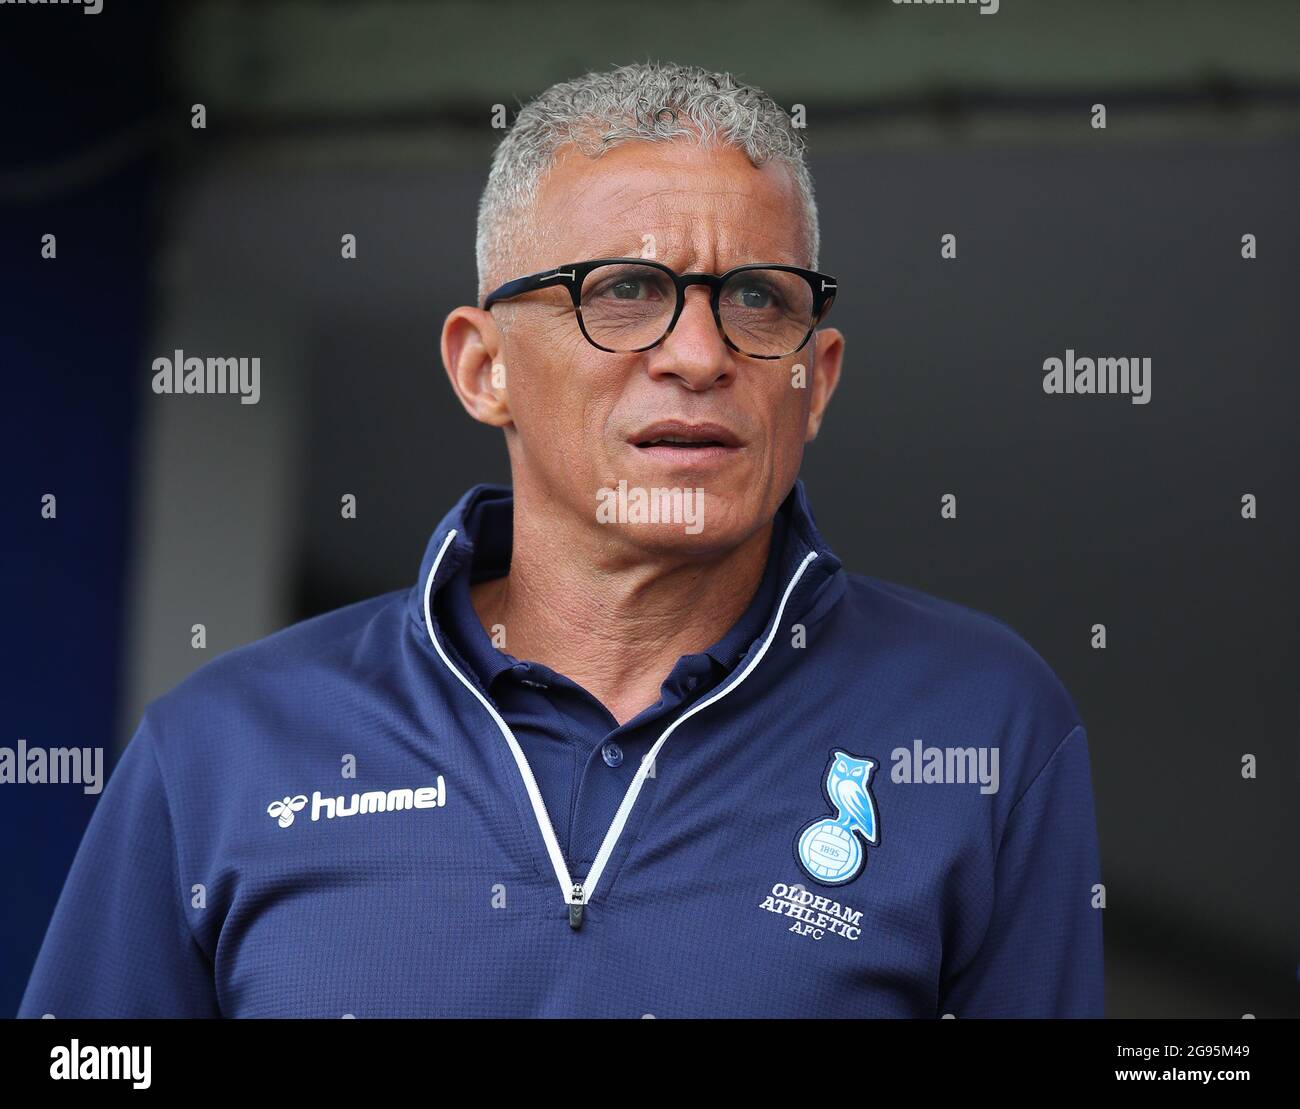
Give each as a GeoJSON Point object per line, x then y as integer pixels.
{"type": "Point", "coordinates": [578, 893]}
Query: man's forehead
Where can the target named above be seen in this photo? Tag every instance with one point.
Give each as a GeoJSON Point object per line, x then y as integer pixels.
{"type": "Point", "coordinates": [683, 197]}
{"type": "Point", "coordinates": [669, 241]}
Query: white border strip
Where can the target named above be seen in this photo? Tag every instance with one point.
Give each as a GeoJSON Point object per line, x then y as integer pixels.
{"type": "Point", "coordinates": [525, 771]}
{"type": "Point", "coordinates": [633, 790]}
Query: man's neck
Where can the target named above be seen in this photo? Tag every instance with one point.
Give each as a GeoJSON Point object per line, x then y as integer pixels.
{"type": "Point", "coordinates": [614, 623]}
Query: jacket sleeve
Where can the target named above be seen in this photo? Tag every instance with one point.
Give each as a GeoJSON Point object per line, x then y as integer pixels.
{"type": "Point", "coordinates": [1042, 953]}
{"type": "Point", "coordinates": [119, 944]}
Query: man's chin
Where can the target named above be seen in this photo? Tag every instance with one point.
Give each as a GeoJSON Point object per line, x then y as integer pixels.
{"type": "Point", "coordinates": [682, 518]}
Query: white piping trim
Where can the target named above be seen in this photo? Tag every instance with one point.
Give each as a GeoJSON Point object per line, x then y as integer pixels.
{"type": "Point", "coordinates": [633, 790]}
{"type": "Point", "coordinates": [526, 772]}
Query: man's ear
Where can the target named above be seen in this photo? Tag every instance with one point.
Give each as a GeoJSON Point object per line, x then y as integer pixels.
{"type": "Point", "coordinates": [472, 354]}
{"type": "Point", "coordinates": [828, 360]}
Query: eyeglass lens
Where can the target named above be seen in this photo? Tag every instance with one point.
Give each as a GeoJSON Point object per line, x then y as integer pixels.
{"type": "Point", "coordinates": [764, 312]}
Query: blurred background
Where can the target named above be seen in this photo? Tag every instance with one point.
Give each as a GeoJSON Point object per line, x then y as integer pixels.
{"type": "Point", "coordinates": [375, 119]}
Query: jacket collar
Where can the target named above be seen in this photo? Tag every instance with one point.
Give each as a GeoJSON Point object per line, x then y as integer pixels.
{"type": "Point", "coordinates": [820, 583]}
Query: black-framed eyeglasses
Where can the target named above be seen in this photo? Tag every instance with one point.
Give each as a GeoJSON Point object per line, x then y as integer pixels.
{"type": "Point", "coordinates": [626, 305]}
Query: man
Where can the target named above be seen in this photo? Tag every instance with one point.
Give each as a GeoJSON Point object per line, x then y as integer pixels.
{"type": "Point", "coordinates": [633, 742]}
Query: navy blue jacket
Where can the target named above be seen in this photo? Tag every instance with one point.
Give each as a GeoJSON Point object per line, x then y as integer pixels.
{"type": "Point", "coordinates": [884, 808]}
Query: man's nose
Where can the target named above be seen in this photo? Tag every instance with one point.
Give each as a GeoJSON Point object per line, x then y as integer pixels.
{"type": "Point", "coordinates": [695, 352]}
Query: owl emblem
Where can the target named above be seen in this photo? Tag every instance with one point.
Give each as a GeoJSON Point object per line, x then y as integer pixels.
{"type": "Point", "coordinates": [831, 849]}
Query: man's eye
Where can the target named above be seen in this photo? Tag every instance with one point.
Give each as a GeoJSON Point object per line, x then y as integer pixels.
{"type": "Point", "coordinates": [753, 296]}
{"type": "Point", "coordinates": [627, 290]}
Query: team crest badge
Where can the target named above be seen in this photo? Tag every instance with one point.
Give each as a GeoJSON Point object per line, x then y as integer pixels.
{"type": "Point", "coordinates": [832, 849]}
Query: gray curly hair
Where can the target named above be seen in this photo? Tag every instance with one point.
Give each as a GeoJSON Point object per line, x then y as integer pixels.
{"type": "Point", "coordinates": [648, 102]}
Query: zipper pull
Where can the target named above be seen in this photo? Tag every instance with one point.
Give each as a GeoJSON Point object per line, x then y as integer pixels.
{"type": "Point", "coordinates": [575, 908]}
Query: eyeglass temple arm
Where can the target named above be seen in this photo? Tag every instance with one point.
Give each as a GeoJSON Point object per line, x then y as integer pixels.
{"type": "Point", "coordinates": [528, 284]}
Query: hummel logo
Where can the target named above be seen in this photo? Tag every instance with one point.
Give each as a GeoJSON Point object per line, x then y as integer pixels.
{"type": "Point", "coordinates": [395, 800]}
{"type": "Point", "coordinates": [286, 808]}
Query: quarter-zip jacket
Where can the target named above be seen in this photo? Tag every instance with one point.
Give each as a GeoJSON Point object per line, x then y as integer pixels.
{"type": "Point", "coordinates": [338, 820]}
{"type": "Point", "coordinates": [582, 758]}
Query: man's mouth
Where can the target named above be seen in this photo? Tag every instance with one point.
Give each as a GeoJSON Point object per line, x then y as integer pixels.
{"type": "Point", "coordinates": [679, 436]}
{"type": "Point", "coordinates": [673, 441]}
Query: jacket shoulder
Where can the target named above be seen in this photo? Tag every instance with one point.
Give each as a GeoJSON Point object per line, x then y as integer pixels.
{"type": "Point", "coordinates": [960, 649]}
{"type": "Point", "coordinates": [299, 665]}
